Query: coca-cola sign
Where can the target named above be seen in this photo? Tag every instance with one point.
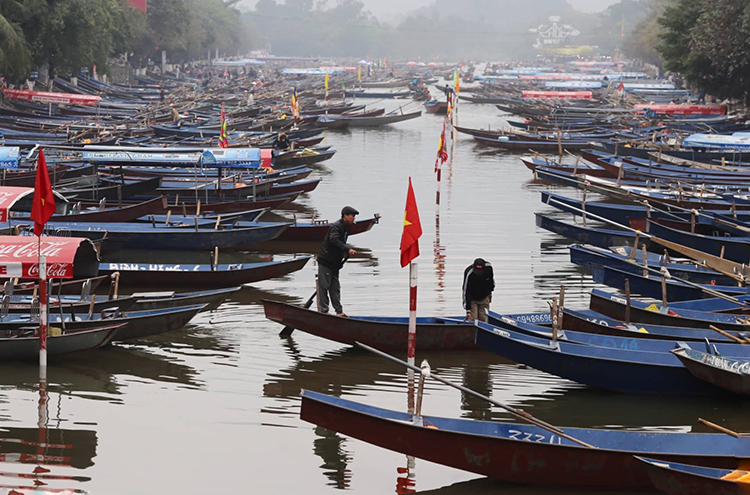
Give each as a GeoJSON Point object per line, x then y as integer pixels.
{"type": "Point", "coordinates": [54, 270]}
{"type": "Point", "coordinates": [31, 250]}
{"type": "Point", "coordinates": [19, 256]}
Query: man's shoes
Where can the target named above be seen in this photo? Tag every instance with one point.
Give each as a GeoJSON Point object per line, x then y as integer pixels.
{"type": "Point", "coordinates": [342, 315]}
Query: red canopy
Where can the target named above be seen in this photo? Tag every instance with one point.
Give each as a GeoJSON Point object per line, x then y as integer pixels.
{"type": "Point", "coordinates": [671, 109]}
{"type": "Point", "coordinates": [19, 257]}
{"type": "Point", "coordinates": [47, 97]}
{"type": "Point", "coordinates": [9, 196]}
{"type": "Point", "coordinates": [570, 95]}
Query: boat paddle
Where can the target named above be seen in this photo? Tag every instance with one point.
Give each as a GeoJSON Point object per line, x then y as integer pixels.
{"type": "Point", "coordinates": [518, 413]}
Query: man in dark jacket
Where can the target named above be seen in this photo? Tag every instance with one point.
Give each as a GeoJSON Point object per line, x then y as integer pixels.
{"type": "Point", "coordinates": [331, 258]}
{"type": "Point", "coordinates": [479, 282]}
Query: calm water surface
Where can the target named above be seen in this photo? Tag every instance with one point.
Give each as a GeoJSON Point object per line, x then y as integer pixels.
{"type": "Point", "coordinates": [215, 408]}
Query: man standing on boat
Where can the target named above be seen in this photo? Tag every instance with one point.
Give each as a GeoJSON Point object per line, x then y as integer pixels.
{"type": "Point", "coordinates": [479, 282]}
{"type": "Point", "coordinates": [331, 258]}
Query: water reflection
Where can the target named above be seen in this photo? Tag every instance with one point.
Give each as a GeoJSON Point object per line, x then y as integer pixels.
{"type": "Point", "coordinates": [329, 446]}
{"type": "Point", "coordinates": [349, 370]}
{"type": "Point", "coordinates": [438, 261]}
{"type": "Point", "coordinates": [52, 451]}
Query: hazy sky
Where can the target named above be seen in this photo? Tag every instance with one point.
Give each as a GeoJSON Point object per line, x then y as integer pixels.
{"type": "Point", "coordinates": [389, 9]}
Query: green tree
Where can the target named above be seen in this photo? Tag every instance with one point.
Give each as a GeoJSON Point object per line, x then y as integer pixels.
{"type": "Point", "coordinates": [708, 41]}
{"type": "Point", "coordinates": [643, 40]}
{"type": "Point", "coordinates": [15, 53]}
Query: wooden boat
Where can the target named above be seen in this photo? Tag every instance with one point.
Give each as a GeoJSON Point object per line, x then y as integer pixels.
{"type": "Point", "coordinates": [635, 340]}
{"type": "Point", "coordinates": [67, 287]}
{"type": "Point", "coordinates": [154, 322]}
{"type": "Point", "coordinates": [378, 94]}
{"type": "Point", "coordinates": [617, 370]}
{"type": "Point", "coordinates": [551, 146]}
{"type": "Point", "coordinates": [589, 321]}
{"type": "Point", "coordinates": [25, 344]}
{"type": "Point", "coordinates": [384, 333]}
{"type": "Point", "coordinates": [136, 236]}
{"type": "Point", "coordinates": [140, 323]}
{"type": "Point", "coordinates": [211, 299]}
{"type": "Point", "coordinates": [604, 238]}
{"type": "Point", "coordinates": [721, 370]}
{"type": "Point", "coordinates": [615, 306]}
{"type": "Point", "coordinates": [316, 231]}
{"type": "Point", "coordinates": [188, 204]}
{"type": "Point", "coordinates": [202, 275]}
{"type": "Point", "coordinates": [624, 214]}
{"type": "Point", "coordinates": [21, 304]}
{"type": "Point", "coordinates": [114, 191]}
{"type": "Point", "coordinates": [675, 478]}
{"type": "Point", "coordinates": [520, 453]}
{"type": "Point", "coordinates": [583, 168]}
{"type": "Point", "coordinates": [650, 285]}
{"type": "Point", "coordinates": [619, 257]}
{"type": "Point", "coordinates": [733, 248]}
{"type": "Point", "coordinates": [436, 106]}
{"type": "Point", "coordinates": [382, 119]}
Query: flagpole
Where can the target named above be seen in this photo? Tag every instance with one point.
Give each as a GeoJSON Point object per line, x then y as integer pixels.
{"type": "Point", "coordinates": [412, 341]}
{"type": "Point", "coordinates": [42, 306]}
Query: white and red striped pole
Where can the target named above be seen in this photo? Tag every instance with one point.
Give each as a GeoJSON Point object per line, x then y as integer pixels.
{"type": "Point", "coordinates": [42, 311]}
{"type": "Point", "coordinates": [412, 341]}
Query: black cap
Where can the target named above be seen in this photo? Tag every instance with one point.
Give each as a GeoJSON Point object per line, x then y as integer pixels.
{"type": "Point", "coordinates": [348, 210]}
{"type": "Point", "coordinates": [479, 264]}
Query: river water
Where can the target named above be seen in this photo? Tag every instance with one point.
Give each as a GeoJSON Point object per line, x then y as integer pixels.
{"type": "Point", "coordinates": [214, 408]}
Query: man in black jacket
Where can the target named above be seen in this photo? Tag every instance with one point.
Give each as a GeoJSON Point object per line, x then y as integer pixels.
{"type": "Point", "coordinates": [479, 282]}
{"type": "Point", "coordinates": [331, 258]}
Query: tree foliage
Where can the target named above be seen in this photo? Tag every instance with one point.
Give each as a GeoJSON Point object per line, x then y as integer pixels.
{"type": "Point", "coordinates": [643, 41]}
{"type": "Point", "coordinates": [708, 41]}
{"type": "Point", "coordinates": [71, 34]}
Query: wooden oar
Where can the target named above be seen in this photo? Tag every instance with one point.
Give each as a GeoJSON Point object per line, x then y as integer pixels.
{"type": "Point", "coordinates": [518, 413]}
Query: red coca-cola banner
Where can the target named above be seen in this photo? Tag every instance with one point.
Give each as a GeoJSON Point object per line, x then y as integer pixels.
{"type": "Point", "coordinates": [684, 109]}
{"type": "Point", "coordinates": [10, 196]}
{"type": "Point", "coordinates": [570, 95]}
{"type": "Point", "coordinates": [19, 256]}
{"type": "Point", "coordinates": [49, 97]}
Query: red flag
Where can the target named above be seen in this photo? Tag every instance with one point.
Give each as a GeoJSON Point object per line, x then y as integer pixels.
{"type": "Point", "coordinates": [442, 155]}
{"type": "Point", "coordinates": [412, 229]}
{"type": "Point", "coordinates": [43, 206]}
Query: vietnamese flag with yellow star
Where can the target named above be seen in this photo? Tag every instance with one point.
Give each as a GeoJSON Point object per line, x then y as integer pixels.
{"type": "Point", "coordinates": [412, 229]}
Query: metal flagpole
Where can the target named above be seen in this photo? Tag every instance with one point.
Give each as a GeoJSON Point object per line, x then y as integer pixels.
{"type": "Point", "coordinates": [42, 306]}
{"type": "Point", "coordinates": [412, 341]}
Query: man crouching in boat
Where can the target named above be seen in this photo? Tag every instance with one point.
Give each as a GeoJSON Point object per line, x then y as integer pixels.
{"type": "Point", "coordinates": [333, 254]}
{"type": "Point", "coordinates": [479, 282]}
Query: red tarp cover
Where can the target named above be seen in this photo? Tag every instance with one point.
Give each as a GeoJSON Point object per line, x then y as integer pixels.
{"type": "Point", "coordinates": [19, 258]}
{"type": "Point", "coordinates": [9, 196]}
{"type": "Point", "coordinates": [685, 109]}
{"type": "Point", "coordinates": [48, 97]}
{"type": "Point", "coordinates": [571, 95]}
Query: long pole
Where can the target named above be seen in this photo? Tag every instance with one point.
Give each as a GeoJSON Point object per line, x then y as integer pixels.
{"type": "Point", "coordinates": [412, 341]}
{"type": "Point", "coordinates": [518, 413]}
{"type": "Point", "coordinates": [42, 310]}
